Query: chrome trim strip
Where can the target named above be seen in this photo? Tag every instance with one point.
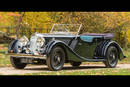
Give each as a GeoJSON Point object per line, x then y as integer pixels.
{"type": "Point", "coordinates": [27, 56]}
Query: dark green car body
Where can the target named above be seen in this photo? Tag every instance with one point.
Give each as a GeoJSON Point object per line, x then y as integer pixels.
{"type": "Point", "coordinates": [77, 49]}
{"type": "Point", "coordinates": [81, 50]}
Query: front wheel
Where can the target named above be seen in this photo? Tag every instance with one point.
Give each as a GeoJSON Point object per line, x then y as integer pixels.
{"type": "Point", "coordinates": [16, 63]}
{"type": "Point", "coordinates": [111, 57]}
{"type": "Point", "coordinates": [56, 59]}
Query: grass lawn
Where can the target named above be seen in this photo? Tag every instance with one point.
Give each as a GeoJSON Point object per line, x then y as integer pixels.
{"type": "Point", "coordinates": [105, 71]}
{"type": "Point", "coordinates": [4, 59]}
{"type": "Point", "coordinates": [127, 54]}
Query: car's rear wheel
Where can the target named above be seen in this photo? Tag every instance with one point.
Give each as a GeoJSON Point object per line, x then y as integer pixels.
{"type": "Point", "coordinates": [111, 57]}
{"type": "Point", "coordinates": [56, 59]}
{"type": "Point", "coordinates": [16, 63]}
{"type": "Point", "coordinates": [75, 64]}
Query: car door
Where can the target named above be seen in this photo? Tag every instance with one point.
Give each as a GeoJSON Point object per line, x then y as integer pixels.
{"type": "Point", "coordinates": [85, 49]}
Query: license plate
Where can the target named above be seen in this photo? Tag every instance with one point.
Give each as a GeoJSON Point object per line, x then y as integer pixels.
{"type": "Point", "coordinates": [26, 60]}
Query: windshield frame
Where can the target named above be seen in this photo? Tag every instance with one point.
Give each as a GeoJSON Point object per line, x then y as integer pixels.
{"type": "Point", "coordinates": [77, 32]}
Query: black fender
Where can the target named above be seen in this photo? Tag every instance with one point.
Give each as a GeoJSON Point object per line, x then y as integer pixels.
{"type": "Point", "coordinates": [12, 46]}
{"type": "Point", "coordinates": [53, 43]}
{"type": "Point", "coordinates": [114, 43]}
{"type": "Point", "coordinates": [99, 51]}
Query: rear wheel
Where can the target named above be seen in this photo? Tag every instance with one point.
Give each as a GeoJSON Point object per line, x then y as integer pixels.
{"type": "Point", "coordinates": [16, 63]}
{"type": "Point", "coordinates": [75, 64]}
{"type": "Point", "coordinates": [56, 59]}
{"type": "Point", "coordinates": [112, 57]}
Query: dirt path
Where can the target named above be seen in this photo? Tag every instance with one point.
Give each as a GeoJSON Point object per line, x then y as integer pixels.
{"type": "Point", "coordinates": [41, 68]}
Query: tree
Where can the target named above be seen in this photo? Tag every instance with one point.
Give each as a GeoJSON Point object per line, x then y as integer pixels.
{"type": "Point", "coordinates": [93, 22]}
{"type": "Point", "coordinates": [36, 20]}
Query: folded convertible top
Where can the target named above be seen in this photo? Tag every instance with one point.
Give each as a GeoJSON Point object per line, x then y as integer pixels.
{"type": "Point", "coordinates": [105, 35]}
{"type": "Point", "coordinates": [88, 37]}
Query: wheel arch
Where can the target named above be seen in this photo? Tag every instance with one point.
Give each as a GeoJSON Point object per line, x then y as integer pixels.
{"type": "Point", "coordinates": [120, 51]}
{"type": "Point", "coordinates": [12, 45]}
{"type": "Point", "coordinates": [59, 44]}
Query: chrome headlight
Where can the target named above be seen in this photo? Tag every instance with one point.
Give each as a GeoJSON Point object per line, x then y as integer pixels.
{"type": "Point", "coordinates": [40, 41]}
{"type": "Point", "coordinates": [23, 41]}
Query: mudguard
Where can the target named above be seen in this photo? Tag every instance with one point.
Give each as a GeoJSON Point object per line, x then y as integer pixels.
{"type": "Point", "coordinates": [12, 46]}
{"type": "Point", "coordinates": [121, 55]}
{"type": "Point", "coordinates": [53, 43]}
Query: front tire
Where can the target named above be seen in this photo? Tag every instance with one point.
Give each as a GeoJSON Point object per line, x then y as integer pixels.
{"type": "Point", "coordinates": [111, 57]}
{"type": "Point", "coordinates": [56, 59]}
{"type": "Point", "coordinates": [16, 63]}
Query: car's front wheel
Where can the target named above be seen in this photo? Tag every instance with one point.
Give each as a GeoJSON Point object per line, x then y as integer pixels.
{"type": "Point", "coordinates": [16, 63]}
{"type": "Point", "coordinates": [111, 57]}
{"type": "Point", "coordinates": [56, 59]}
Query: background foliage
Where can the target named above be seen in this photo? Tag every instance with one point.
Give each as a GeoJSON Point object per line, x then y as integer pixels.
{"type": "Point", "coordinates": [93, 22]}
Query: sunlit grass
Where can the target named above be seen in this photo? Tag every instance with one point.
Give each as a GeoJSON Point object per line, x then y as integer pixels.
{"type": "Point", "coordinates": [105, 71]}
{"type": "Point", "coordinates": [127, 54]}
{"type": "Point", "coordinates": [4, 60]}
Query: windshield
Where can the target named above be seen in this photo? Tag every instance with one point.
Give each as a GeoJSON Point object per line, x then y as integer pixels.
{"type": "Point", "coordinates": [66, 29]}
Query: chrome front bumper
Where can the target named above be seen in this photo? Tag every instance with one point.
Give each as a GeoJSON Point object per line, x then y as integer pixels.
{"type": "Point", "coordinates": [27, 56]}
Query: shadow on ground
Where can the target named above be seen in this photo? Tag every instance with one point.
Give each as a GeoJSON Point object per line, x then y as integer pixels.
{"type": "Point", "coordinates": [67, 68]}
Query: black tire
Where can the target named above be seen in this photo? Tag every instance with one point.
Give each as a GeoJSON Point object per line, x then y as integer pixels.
{"type": "Point", "coordinates": [56, 59]}
{"type": "Point", "coordinates": [112, 57]}
{"type": "Point", "coordinates": [75, 64]}
{"type": "Point", "coordinates": [16, 63]}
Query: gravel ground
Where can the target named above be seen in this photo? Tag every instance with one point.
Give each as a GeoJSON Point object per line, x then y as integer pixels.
{"type": "Point", "coordinates": [43, 68]}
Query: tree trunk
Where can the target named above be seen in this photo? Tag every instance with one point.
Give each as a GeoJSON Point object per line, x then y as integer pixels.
{"type": "Point", "coordinates": [125, 37]}
{"type": "Point", "coordinates": [18, 25]}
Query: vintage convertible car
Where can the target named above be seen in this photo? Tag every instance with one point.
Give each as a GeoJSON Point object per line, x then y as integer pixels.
{"type": "Point", "coordinates": [62, 45]}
